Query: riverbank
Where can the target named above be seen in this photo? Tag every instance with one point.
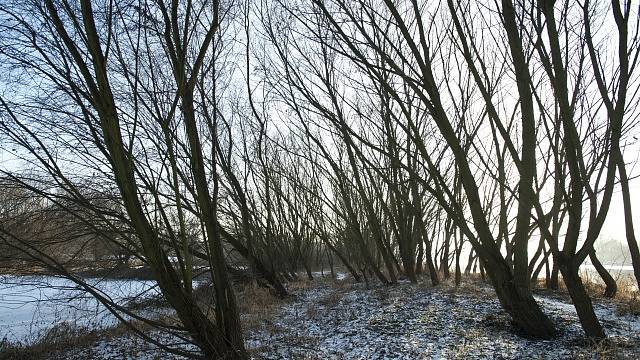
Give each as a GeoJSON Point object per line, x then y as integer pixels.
{"type": "Point", "coordinates": [339, 319]}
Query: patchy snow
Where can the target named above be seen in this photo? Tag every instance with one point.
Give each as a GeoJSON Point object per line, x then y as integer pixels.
{"type": "Point", "coordinates": [341, 275]}
{"type": "Point", "coordinates": [129, 346]}
{"type": "Point", "coordinates": [341, 320]}
{"type": "Point", "coordinates": [416, 322]}
{"type": "Point", "coordinates": [621, 328]}
{"type": "Point", "coordinates": [325, 274]}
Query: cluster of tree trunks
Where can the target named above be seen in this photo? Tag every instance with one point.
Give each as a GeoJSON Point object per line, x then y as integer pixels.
{"type": "Point", "coordinates": [399, 139]}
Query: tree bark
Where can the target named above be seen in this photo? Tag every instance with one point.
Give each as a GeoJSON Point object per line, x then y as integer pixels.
{"type": "Point", "coordinates": [610, 283]}
{"type": "Point", "coordinates": [581, 301]}
{"type": "Point", "coordinates": [628, 218]}
{"type": "Point", "coordinates": [522, 307]}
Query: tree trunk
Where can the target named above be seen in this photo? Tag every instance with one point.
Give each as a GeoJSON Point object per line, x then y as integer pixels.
{"type": "Point", "coordinates": [581, 301]}
{"type": "Point", "coordinates": [610, 283]}
{"type": "Point", "coordinates": [256, 264]}
{"type": "Point", "coordinates": [444, 262]}
{"type": "Point", "coordinates": [522, 307]}
{"type": "Point", "coordinates": [547, 273]}
{"type": "Point", "coordinates": [544, 262]}
{"type": "Point", "coordinates": [553, 281]}
{"type": "Point", "coordinates": [333, 272]}
{"type": "Point", "coordinates": [433, 273]}
{"type": "Point", "coordinates": [408, 262]}
{"type": "Point", "coordinates": [470, 260]}
{"type": "Point", "coordinates": [308, 270]}
{"type": "Point", "coordinates": [227, 316]}
{"type": "Point", "coordinates": [628, 219]}
{"type": "Point", "coordinates": [420, 259]}
{"type": "Point", "coordinates": [458, 275]}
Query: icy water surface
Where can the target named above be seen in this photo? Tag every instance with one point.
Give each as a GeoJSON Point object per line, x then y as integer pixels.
{"type": "Point", "coordinates": [32, 305]}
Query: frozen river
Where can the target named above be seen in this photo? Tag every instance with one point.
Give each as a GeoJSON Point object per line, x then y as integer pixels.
{"type": "Point", "coordinates": [32, 305]}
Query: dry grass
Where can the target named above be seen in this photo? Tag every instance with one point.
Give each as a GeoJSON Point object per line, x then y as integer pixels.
{"type": "Point", "coordinates": [606, 349]}
{"type": "Point", "coordinates": [303, 284]}
{"type": "Point", "coordinates": [626, 300]}
{"type": "Point", "coordinates": [332, 298]}
{"type": "Point", "coordinates": [59, 339]}
{"type": "Point", "coordinates": [470, 284]}
{"type": "Point", "coordinates": [592, 285]}
{"type": "Point", "coordinates": [257, 307]}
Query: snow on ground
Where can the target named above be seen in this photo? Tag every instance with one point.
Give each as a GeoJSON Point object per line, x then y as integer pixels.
{"type": "Point", "coordinates": [349, 321]}
{"type": "Point", "coordinates": [417, 322]}
{"type": "Point", "coordinates": [130, 347]}
{"type": "Point", "coordinates": [622, 329]}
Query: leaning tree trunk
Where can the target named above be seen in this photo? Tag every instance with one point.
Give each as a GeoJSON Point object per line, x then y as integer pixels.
{"type": "Point", "coordinates": [610, 283]}
{"type": "Point", "coordinates": [308, 270]}
{"type": "Point", "coordinates": [581, 301]}
{"type": "Point", "coordinates": [215, 340]}
{"type": "Point", "coordinates": [227, 315]}
{"type": "Point", "coordinates": [521, 305]}
{"type": "Point", "coordinates": [547, 273]}
{"type": "Point", "coordinates": [553, 280]}
{"type": "Point", "coordinates": [271, 277]}
{"type": "Point", "coordinates": [444, 260]}
{"type": "Point", "coordinates": [543, 263]}
{"type": "Point", "coordinates": [420, 258]}
{"type": "Point", "coordinates": [431, 267]}
{"type": "Point", "coordinates": [628, 219]}
{"type": "Point", "coordinates": [470, 260]}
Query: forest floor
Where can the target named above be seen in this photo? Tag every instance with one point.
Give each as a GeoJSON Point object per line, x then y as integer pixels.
{"type": "Point", "coordinates": [331, 319]}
